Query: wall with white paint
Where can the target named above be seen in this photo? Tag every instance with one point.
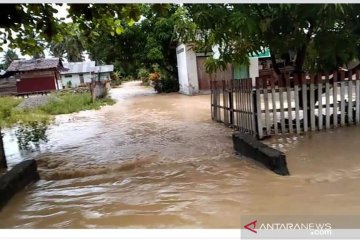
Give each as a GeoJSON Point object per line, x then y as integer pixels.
{"type": "Point", "coordinates": [187, 70]}
{"type": "Point", "coordinates": [192, 71]}
{"type": "Point", "coordinates": [74, 78]}
{"type": "Point", "coordinates": [254, 69]}
{"type": "Point", "coordinates": [182, 69]}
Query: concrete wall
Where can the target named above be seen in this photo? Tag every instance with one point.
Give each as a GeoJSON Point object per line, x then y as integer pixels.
{"type": "Point", "coordinates": [75, 79]}
{"type": "Point", "coordinates": [17, 179]}
{"type": "Point", "coordinates": [99, 89]}
{"type": "Point", "coordinates": [187, 70]}
{"type": "Point", "coordinates": [60, 84]}
{"type": "Point", "coordinates": [103, 76]}
{"type": "Point", "coordinates": [249, 146]}
{"type": "Point", "coordinates": [182, 69]}
{"type": "Point", "coordinates": [254, 69]}
{"type": "Point", "coordinates": [192, 71]}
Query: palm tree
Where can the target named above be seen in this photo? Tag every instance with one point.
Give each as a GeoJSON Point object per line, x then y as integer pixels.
{"type": "Point", "coordinates": [38, 55]}
{"type": "Point", "coordinates": [9, 56]}
{"type": "Point", "coordinates": [57, 49]}
{"type": "Point", "coordinates": [71, 46]}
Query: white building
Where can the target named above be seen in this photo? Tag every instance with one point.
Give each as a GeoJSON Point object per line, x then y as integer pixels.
{"type": "Point", "coordinates": [79, 73]}
{"type": "Point", "coordinates": [193, 78]}
{"type": "Point", "coordinates": [103, 72]}
{"type": "Point", "coordinates": [187, 70]}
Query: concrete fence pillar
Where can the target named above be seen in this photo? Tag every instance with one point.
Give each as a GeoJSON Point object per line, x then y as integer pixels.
{"type": "Point", "coordinates": [99, 89]}
{"type": "Point", "coordinates": [17, 179]}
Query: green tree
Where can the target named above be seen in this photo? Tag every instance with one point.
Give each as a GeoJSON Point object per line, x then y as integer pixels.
{"type": "Point", "coordinates": [159, 28]}
{"type": "Point", "coordinates": [301, 30]}
{"type": "Point", "coordinates": [68, 43]}
{"type": "Point", "coordinates": [125, 51]}
{"type": "Point", "coordinates": [30, 27]}
{"type": "Point", "coordinates": [143, 44]}
{"type": "Point", "coordinates": [9, 56]}
{"type": "Point", "coordinates": [38, 55]}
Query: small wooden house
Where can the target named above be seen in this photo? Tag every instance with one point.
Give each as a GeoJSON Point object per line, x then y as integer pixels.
{"type": "Point", "coordinates": [36, 75]}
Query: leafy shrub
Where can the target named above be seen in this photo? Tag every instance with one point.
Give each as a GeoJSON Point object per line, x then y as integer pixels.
{"type": "Point", "coordinates": [116, 78]}
{"type": "Point", "coordinates": [212, 65]}
{"type": "Point", "coordinates": [166, 85]}
{"type": "Point", "coordinates": [128, 78]}
{"type": "Point", "coordinates": [155, 67]}
{"type": "Point", "coordinates": [143, 75]}
{"type": "Point", "coordinates": [154, 76]}
{"type": "Point", "coordinates": [69, 84]}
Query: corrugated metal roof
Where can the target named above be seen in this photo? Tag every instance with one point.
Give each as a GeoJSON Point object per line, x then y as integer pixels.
{"type": "Point", "coordinates": [104, 68]}
{"type": "Point", "coordinates": [79, 67]}
{"type": "Point", "coordinates": [86, 67]}
{"type": "Point", "coordinates": [35, 64]}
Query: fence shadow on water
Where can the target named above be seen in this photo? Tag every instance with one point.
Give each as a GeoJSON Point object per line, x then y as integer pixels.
{"type": "Point", "coordinates": [296, 103]}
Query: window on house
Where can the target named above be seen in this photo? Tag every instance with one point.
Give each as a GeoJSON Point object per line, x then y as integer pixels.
{"type": "Point", "coordinates": [81, 78]}
{"type": "Point", "coordinates": [68, 75]}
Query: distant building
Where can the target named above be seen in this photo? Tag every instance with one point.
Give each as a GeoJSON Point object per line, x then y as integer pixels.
{"type": "Point", "coordinates": [193, 78]}
{"type": "Point", "coordinates": [79, 73]}
{"type": "Point", "coordinates": [103, 72]}
{"type": "Point", "coordinates": [36, 75]}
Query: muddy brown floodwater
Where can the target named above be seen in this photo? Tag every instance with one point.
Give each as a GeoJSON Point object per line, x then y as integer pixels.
{"type": "Point", "coordinates": [158, 161]}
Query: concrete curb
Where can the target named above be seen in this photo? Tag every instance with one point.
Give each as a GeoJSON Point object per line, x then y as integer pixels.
{"type": "Point", "coordinates": [17, 179]}
{"type": "Point", "coordinates": [250, 147]}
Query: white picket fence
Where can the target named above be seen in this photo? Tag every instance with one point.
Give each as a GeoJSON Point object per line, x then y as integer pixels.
{"type": "Point", "coordinates": [232, 103]}
{"type": "Point", "coordinates": [288, 104]}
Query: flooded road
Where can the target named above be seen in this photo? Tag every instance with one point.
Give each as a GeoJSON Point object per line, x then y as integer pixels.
{"type": "Point", "coordinates": [158, 161]}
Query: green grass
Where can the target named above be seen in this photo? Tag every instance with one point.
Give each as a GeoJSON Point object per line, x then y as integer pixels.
{"type": "Point", "coordinates": [33, 121]}
{"type": "Point", "coordinates": [66, 102]}
{"type": "Point", "coordinates": [10, 115]}
{"type": "Point", "coordinates": [73, 102]}
{"type": "Point", "coordinates": [9, 102]}
{"type": "Point", "coordinates": [7, 105]}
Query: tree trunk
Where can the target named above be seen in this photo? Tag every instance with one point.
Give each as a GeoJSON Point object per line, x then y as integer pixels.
{"type": "Point", "coordinates": [3, 163]}
{"type": "Point", "coordinates": [300, 59]}
{"type": "Point", "coordinates": [274, 63]}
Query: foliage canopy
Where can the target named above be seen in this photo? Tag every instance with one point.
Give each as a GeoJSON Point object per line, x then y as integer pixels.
{"type": "Point", "coordinates": [31, 27]}
{"type": "Point", "coordinates": [317, 37]}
